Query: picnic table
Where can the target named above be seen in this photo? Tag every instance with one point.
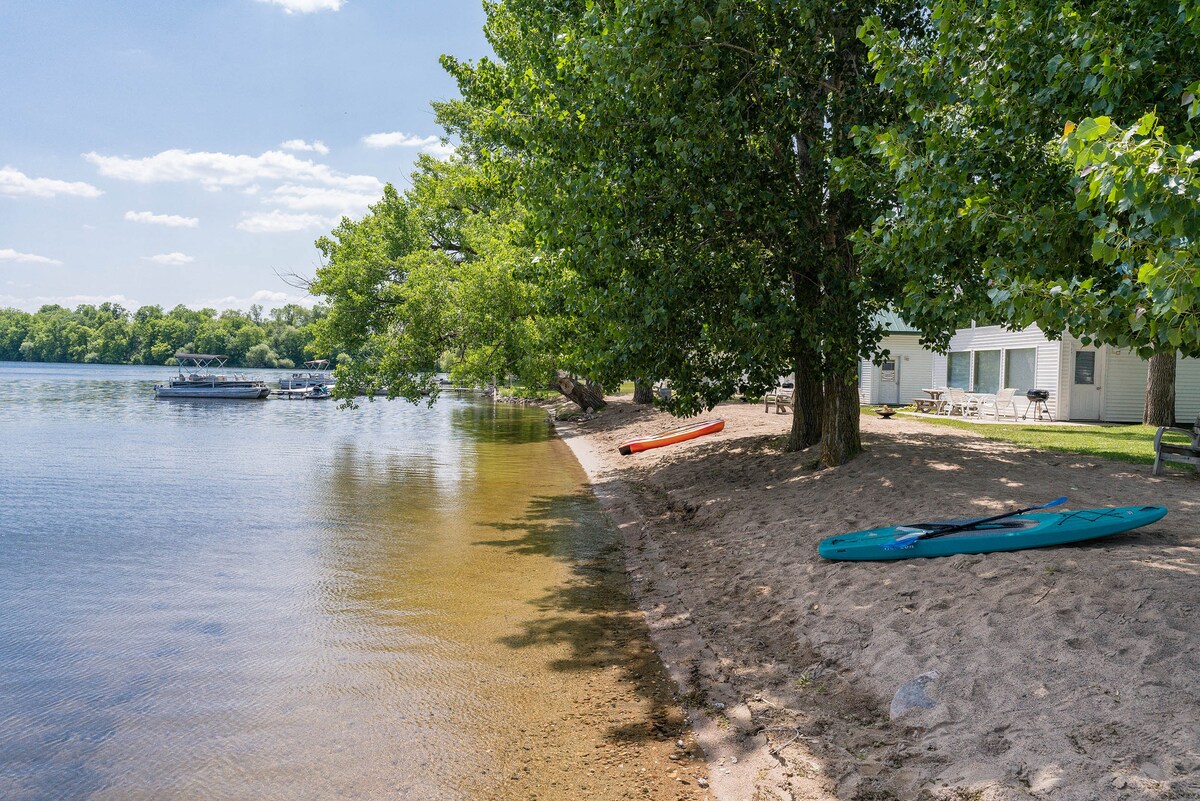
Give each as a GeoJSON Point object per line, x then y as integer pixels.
{"type": "Point", "coordinates": [933, 404]}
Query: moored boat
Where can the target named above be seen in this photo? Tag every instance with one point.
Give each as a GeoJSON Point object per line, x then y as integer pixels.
{"type": "Point", "coordinates": [671, 436]}
{"type": "Point", "coordinates": [200, 380]}
{"type": "Point", "coordinates": [318, 374]}
{"type": "Point", "coordinates": [318, 392]}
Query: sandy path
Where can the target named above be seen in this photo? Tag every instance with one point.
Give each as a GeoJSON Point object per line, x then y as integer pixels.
{"type": "Point", "coordinates": [1064, 673]}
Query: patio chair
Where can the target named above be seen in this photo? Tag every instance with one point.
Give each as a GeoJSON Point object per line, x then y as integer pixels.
{"type": "Point", "coordinates": [958, 402]}
{"type": "Point", "coordinates": [1001, 400]}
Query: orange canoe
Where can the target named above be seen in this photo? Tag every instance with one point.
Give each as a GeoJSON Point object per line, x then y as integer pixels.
{"type": "Point", "coordinates": [670, 437]}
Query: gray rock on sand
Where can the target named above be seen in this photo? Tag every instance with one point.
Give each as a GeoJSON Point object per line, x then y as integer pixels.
{"type": "Point", "coordinates": [912, 695]}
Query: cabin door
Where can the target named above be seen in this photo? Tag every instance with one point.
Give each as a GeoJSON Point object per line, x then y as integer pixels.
{"type": "Point", "coordinates": [889, 382]}
{"type": "Point", "coordinates": [1086, 380]}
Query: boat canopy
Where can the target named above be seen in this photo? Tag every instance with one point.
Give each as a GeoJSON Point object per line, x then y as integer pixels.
{"type": "Point", "coordinates": [317, 364]}
{"type": "Point", "coordinates": [201, 359]}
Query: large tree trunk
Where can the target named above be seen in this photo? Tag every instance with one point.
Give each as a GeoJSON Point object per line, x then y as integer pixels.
{"type": "Point", "coordinates": [643, 391]}
{"type": "Point", "coordinates": [806, 398]}
{"type": "Point", "coordinates": [840, 432]}
{"type": "Point", "coordinates": [586, 396]}
{"type": "Point", "coordinates": [1160, 391]}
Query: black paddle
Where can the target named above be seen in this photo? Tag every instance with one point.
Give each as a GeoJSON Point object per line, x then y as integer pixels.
{"type": "Point", "coordinates": [909, 540]}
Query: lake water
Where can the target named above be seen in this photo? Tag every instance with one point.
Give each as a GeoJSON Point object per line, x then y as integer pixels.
{"type": "Point", "coordinates": [276, 600]}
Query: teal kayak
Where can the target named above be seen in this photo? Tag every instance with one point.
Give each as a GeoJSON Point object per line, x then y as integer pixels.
{"type": "Point", "coordinates": [1029, 530]}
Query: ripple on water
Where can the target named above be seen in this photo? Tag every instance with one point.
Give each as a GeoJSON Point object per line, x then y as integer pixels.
{"type": "Point", "coordinates": [269, 600]}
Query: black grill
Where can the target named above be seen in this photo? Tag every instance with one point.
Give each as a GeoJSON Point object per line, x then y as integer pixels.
{"type": "Point", "coordinates": [1037, 394]}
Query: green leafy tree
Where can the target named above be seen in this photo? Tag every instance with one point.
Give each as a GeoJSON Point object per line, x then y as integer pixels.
{"type": "Point", "coordinates": [1000, 218]}
{"type": "Point", "coordinates": [211, 337]}
{"type": "Point", "coordinates": [261, 355]}
{"type": "Point", "coordinates": [110, 342]}
{"type": "Point", "coordinates": [14, 328]}
{"type": "Point", "coordinates": [290, 342]}
{"type": "Point", "coordinates": [109, 334]}
{"type": "Point", "coordinates": [55, 335]}
{"type": "Point", "coordinates": [436, 275]}
{"type": "Point", "coordinates": [691, 167]}
{"type": "Point", "coordinates": [243, 339]}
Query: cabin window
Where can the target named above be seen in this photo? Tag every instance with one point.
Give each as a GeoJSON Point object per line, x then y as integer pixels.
{"type": "Point", "coordinates": [987, 371]}
{"type": "Point", "coordinates": [958, 370]}
{"type": "Point", "coordinates": [1085, 367]}
{"type": "Point", "coordinates": [1020, 368]}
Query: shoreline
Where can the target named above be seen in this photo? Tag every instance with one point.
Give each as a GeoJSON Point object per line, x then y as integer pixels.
{"type": "Point", "coordinates": [737, 755]}
{"type": "Point", "coordinates": [1046, 684]}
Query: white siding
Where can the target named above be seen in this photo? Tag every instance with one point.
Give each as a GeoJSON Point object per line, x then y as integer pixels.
{"type": "Point", "coordinates": [914, 364]}
{"type": "Point", "coordinates": [916, 372]}
{"type": "Point", "coordinates": [1124, 387]}
{"type": "Point", "coordinates": [1123, 373]}
{"type": "Point", "coordinates": [993, 337]}
{"type": "Point", "coordinates": [866, 381]}
{"type": "Point", "coordinates": [1049, 357]}
{"type": "Point", "coordinates": [1187, 390]}
{"type": "Point", "coordinates": [1066, 376]}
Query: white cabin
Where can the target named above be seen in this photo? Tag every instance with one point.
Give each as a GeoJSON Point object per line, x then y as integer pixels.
{"type": "Point", "coordinates": [900, 377]}
{"type": "Point", "coordinates": [1085, 382]}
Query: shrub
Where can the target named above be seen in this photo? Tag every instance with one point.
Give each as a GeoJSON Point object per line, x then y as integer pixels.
{"type": "Point", "coordinates": [261, 355]}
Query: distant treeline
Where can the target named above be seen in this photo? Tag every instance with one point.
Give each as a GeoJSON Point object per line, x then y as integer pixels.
{"type": "Point", "coordinates": [110, 334]}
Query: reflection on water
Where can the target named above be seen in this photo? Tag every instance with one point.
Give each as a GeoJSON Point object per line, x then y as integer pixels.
{"type": "Point", "coordinates": [267, 600]}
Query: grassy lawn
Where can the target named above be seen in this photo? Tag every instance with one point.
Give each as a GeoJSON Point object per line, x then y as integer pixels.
{"type": "Point", "coordinates": [1122, 443]}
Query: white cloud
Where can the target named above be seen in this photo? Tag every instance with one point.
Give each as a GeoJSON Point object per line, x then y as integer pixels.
{"type": "Point", "coordinates": [433, 145]}
{"type": "Point", "coordinates": [8, 254]}
{"type": "Point", "coordinates": [316, 146]}
{"type": "Point", "coordinates": [271, 296]}
{"type": "Point", "coordinates": [311, 198]}
{"type": "Point", "coordinates": [440, 150]}
{"type": "Point", "coordinates": [277, 222]}
{"type": "Point", "coordinates": [267, 298]}
{"type": "Point", "coordinates": [217, 170]}
{"type": "Point", "coordinates": [15, 183]}
{"type": "Point", "coordinates": [173, 259]}
{"type": "Point", "coordinates": [398, 139]}
{"type": "Point", "coordinates": [171, 220]}
{"type": "Point", "coordinates": [32, 304]}
{"type": "Point", "coordinates": [306, 6]}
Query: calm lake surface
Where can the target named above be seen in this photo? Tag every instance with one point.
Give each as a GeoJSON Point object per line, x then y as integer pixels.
{"type": "Point", "coordinates": [272, 599]}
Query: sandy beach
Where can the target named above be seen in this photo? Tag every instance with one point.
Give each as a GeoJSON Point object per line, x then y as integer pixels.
{"type": "Point", "coordinates": [1064, 673]}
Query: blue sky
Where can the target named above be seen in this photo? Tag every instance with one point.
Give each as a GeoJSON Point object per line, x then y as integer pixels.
{"type": "Point", "coordinates": [187, 151]}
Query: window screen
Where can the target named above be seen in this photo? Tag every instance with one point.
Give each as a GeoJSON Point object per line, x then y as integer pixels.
{"type": "Point", "coordinates": [1020, 369]}
{"type": "Point", "coordinates": [987, 371]}
{"type": "Point", "coordinates": [958, 370]}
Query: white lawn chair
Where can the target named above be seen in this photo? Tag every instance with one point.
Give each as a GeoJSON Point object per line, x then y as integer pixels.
{"type": "Point", "coordinates": [1001, 400]}
{"type": "Point", "coordinates": [958, 402]}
